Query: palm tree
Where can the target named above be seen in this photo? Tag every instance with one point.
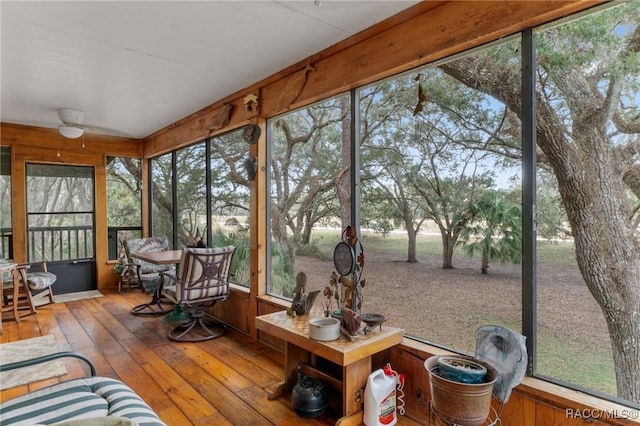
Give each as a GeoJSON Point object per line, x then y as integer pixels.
{"type": "Point", "coordinates": [495, 231]}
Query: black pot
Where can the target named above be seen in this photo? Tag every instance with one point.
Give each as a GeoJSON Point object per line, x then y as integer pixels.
{"type": "Point", "coordinates": [309, 397]}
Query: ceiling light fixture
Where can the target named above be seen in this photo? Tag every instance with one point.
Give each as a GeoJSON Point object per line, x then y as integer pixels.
{"type": "Point", "coordinates": [71, 132]}
{"type": "Point", "coordinates": [71, 122]}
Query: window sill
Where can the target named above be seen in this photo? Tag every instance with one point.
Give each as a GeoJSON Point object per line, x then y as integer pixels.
{"type": "Point", "coordinates": [239, 288]}
{"type": "Point", "coordinates": [275, 301]}
{"type": "Point", "coordinates": [572, 402]}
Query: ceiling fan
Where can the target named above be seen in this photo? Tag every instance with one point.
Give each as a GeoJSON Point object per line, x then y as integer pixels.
{"type": "Point", "coordinates": [71, 122]}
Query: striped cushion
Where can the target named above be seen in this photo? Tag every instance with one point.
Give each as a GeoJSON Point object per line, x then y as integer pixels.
{"type": "Point", "coordinates": [84, 398]}
{"type": "Point", "coordinates": [205, 273]}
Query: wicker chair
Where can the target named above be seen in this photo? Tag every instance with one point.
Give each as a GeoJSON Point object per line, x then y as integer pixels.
{"type": "Point", "coordinates": [204, 280]}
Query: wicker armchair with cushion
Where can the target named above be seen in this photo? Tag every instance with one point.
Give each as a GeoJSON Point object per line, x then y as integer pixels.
{"type": "Point", "coordinates": [146, 274]}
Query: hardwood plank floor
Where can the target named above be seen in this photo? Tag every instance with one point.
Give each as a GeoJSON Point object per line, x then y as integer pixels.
{"type": "Point", "coordinates": [219, 382]}
{"type": "Point", "coordinates": [185, 383]}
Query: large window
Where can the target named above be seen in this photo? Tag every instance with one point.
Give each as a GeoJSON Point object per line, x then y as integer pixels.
{"type": "Point", "coordinates": [229, 162]}
{"type": "Point", "coordinates": [588, 85]}
{"type": "Point", "coordinates": [309, 187]}
{"type": "Point", "coordinates": [124, 215]}
{"type": "Point", "coordinates": [450, 216]}
{"type": "Point", "coordinates": [191, 187]}
{"type": "Point", "coordinates": [161, 171]}
{"type": "Point", "coordinates": [6, 248]}
{"type": "Point", "coordinates": [441, 202]}
{"type": "Point", "coordinates": [209, 202]}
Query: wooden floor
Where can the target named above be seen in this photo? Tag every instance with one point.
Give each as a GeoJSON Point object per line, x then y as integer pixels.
{"type": "Point", "coordinates": [219, 382]}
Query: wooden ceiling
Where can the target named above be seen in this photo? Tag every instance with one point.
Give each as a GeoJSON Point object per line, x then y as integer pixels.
{"type": "Point", "coordinates": [136, 67]}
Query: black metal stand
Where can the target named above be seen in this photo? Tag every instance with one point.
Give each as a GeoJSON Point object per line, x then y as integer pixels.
{"type": "Point", "coordinates": [156, 306]}
{"type": "Point", "coordinates": [201, 327]}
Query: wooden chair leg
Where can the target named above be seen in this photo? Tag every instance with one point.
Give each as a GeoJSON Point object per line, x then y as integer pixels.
{"type": "Point", "coordinates": [16, 295]}
{"type": "Point", "coordinates": [22, 280]}
{"type": "Point", "coordinates": [27, 292]}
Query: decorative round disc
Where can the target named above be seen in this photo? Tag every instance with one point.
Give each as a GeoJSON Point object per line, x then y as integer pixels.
{"type": "Point", "coordinates": [344, 259]}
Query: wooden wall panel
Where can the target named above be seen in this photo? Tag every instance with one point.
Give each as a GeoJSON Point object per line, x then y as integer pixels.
{"type": "Point", "coordinates": [266, 306]}
{"type": "Point", "coordinates": [427, 32]}
{"type": "Point", "coordinates": [18, 208]}
{"type": "Point", "coordinates": [235, 310]}
{"type": "Point", "coordinates": [39, 138]}
{"type": "Point", "coordinates": [39, 145]}
{"type": "Point", "coordinates": [519, 410]}
{"type": "Point", "coordinates": [552, 416]}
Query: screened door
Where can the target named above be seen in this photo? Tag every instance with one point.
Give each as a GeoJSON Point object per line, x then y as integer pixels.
{"type": "Point", "coordinates": [61, 225]}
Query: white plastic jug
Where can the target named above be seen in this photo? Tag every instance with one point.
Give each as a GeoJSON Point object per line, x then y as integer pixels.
{"type": "Point", "coordinates": [380, 400]}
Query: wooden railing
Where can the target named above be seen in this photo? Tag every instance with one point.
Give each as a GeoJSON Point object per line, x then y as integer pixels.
{"type": "Point", "coordinates": [6, 243]}
{"type": "Point", "coordinates": [60, 243]}
{"type": "Point", "coordinates": [117, 234]}
{"type": "Point", "coordinates": [66, 242]}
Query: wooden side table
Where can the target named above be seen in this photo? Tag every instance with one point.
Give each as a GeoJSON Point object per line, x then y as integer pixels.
{"type": "Point", "coordinates": [343, 364]}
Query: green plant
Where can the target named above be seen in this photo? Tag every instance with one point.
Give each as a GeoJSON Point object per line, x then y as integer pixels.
{"type": "Point", "coordinates": [240, 267]}
{"type": "Point", "coordinates": [282, 281]}
{"type": "Point", "coordinates": [495, 231]}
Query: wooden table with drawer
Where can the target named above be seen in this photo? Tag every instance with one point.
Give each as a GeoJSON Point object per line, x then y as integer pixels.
{"type": "Point", "coordinates": [345, 365]}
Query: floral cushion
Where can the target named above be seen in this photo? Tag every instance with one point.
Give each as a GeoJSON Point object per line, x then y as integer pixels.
{"type": "Point", "coordinates": [144, 245]}
{"type": "Point", "coordinates": [7, 276]}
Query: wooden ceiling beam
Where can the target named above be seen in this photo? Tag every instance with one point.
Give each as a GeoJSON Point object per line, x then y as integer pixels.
{"type": "Point", "coordinates": [422, 34]}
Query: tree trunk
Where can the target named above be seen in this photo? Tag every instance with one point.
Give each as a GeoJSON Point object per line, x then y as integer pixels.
{"type": "Point", "coordinates": [592, 190]}
{"type": "Point", "coordinates": [607, 255]}
{"type": "Point", "coordinates": [411, 246]}
{"type": "Point", "coordinates": [305, 238]}
{"type": "Point", "coordinates": [279, 234]}
{"type": "Point", "coordinates": [485, 262]}
{"type": "Point", "coordinates": [343, 184]}
{"type": "Point", "coordinates": [447, 251]}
